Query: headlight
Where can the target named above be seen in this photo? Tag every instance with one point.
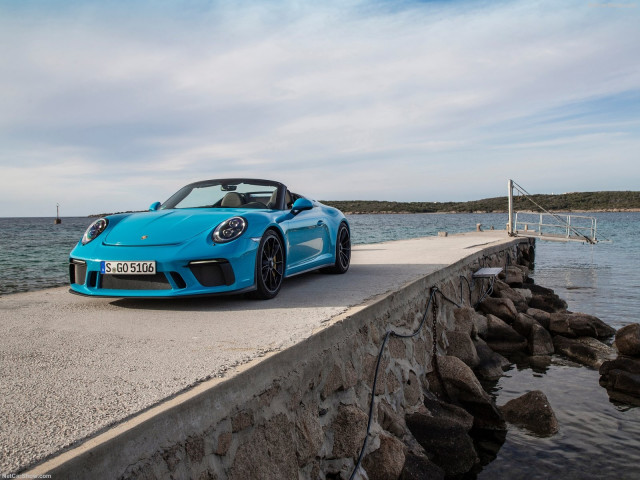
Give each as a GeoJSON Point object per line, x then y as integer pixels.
{"type": "Point", "coordinates": [95, 229]}
{"type": "Point", "coordinates": [229, 230]}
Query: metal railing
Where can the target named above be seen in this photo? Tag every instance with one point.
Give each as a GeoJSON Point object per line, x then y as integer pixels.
{"type": "Point", "coordinates": [556, 226]}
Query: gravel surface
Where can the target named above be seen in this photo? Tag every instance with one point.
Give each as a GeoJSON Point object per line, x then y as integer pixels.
{"type": "Point", "coordinates": [72, 366]}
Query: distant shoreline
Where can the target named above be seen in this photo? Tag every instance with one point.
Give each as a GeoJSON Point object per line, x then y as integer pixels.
{"type": "Point", "coordinates": [482, 212]}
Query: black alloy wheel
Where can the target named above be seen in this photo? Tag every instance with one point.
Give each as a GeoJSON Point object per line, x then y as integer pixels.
{"type": "Point", "coordinates": [343, 250]}
{"type": "Point", "coordinates": [269, 266]}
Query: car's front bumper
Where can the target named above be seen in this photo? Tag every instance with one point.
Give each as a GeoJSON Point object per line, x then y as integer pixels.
{"type": "Point", "coordinates": [220, 269]}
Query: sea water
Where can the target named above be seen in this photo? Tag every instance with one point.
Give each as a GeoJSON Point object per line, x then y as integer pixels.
{"type": "Point", "coordinates": [597, 438]}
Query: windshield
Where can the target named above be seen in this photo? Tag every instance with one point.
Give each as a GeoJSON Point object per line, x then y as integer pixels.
{"type": "Point", "coordinates": [225, 194]}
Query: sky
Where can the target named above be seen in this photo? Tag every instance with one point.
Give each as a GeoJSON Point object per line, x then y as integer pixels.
{"type": "Point", "coordinates": [111, 105]}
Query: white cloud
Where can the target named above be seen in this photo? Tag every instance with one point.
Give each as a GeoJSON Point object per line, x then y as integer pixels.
{"type": "Point", "coordinates": [353, 100]}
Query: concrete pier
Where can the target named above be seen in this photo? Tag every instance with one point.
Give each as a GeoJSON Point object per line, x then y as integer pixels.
{"type": "Point", "coordinates": [94, 386]}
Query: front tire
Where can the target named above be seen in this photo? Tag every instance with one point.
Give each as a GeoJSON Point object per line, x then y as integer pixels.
{"type": "Point", "coordinates": [269, 266]}
{"type": "Point", "coordinates": [343, 250]}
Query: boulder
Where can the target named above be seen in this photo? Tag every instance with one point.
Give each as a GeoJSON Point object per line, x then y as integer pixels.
{"type": "Point", "coordinates": [446, 442]}
{"type": "Point", "coordinates": [525, 292]}
{"type": "Point", "coordinates": [386, 462]}
{"type": "Point", "coordinates": [457, 382]}
{"type": "Point", "coordinates": [480, 322]}
{"type": "Point", "coordinates": [502, 338]}
{"type": "Point", "coordinates": [464, 321]}
{"type": "Point", "coordinates": [491, 365]}
{"type": "Point", "coordinates": [542, 317]}
{"type": "Point", "coordinates": [628, 340]}
{"type": "Point", "coordinates": [579, 325]}
{"type": "Point", "coordinates": [502, 308]}
{"type": "Point", "coordinates": [390, 420]}
{"type": "Point", "coordinates": [523, 324]}
{"type": "Point", "coordinates": [502, 290]}
{"type": "Point", "coordinates": [419, 467]}
{"type": "Point", "coordinates": [514, 276]}
{"type": "Point", "coordinates": [533, 412]}
{"type": "Point", "coordinates": [585, 350]}
{"type": "Point", "coordinates": [461, 346]}
{"type": "Point", "coordinates": [548, 303]}
{"type": "Point", "coordinates": [621, 378]}
{"type": "Point", "coordinates": [540, 341]}
{"type": "Point", "coordinates": [539, 289]}
{"type": "Point", "coordinates": [628, 364]}
{"type": "Point", "coordinates": [440, 409]}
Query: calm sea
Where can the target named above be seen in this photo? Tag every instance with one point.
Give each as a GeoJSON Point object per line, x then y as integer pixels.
{"type": "Point", "coordinates": [597, 439]}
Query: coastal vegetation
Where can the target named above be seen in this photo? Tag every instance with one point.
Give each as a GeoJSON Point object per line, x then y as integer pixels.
{"type": "Point", "coordinates": [611, 201]}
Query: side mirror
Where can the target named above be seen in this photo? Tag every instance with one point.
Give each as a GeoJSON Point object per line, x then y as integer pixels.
{"type": "Point", "coordinates": [300, 205]}
{"type": "Point", "coordinates": [154, 206]}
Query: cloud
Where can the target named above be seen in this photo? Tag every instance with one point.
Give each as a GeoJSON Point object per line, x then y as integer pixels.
{"type": "Point", "coordinates": [341, 100]}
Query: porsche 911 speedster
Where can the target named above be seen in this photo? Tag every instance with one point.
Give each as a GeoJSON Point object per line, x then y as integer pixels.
{"type": "Point", "coordinates": [211, 237]}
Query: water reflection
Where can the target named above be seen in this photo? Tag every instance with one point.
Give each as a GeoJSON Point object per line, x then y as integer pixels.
{"type": "Point", "coordinates": [596, 439]}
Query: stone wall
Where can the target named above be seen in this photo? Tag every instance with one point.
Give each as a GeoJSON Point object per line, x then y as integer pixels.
{"type": "Point", "coordinates": [303, 412]}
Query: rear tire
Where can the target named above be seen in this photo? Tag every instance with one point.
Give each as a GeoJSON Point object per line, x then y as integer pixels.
{"type": "Point", "coordinates": [269, 266]}
{"type": "Point", "coordinates": [343, 250]}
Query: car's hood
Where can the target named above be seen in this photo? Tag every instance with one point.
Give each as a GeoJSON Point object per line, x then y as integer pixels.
{"type": "Point", "coordinates": [164, 227]}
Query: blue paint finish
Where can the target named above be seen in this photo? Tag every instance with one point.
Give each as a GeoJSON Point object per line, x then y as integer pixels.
{"type": "Point", "coordinates": [176, 237]}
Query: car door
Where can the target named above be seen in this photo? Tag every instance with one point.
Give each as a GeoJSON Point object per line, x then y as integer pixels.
{"type": "Point", "coordinates": [308, 241]}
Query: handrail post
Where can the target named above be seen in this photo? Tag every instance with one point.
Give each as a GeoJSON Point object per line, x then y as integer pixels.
{"type": "Point", "coordinates": [510, 229]}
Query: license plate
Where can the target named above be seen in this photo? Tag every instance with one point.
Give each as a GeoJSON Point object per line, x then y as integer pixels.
{"type": "Point", "coordinates": [128, 268]}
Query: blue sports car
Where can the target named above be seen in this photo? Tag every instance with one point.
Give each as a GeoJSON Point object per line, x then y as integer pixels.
{"type": "Point", "coordinates": [211, 237]}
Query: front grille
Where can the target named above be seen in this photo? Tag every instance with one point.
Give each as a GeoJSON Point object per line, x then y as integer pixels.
{"type": "Point", "coordinates": [135, 282]}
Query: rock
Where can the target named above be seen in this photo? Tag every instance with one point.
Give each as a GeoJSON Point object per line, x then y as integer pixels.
{"type": "Point", "coordinates": [464, 321]}
{"type": "Point", "coordinates": [462, 387]}
{"type": "Point", "coordinates": [502, 308]}
{"type": "Point", "coordinates": [419, 467]}
{"type": "Point", "coordinates": [492, 365]}
{"type": "Point", "coordinates": [525, 292]}
{"type": "Point", "coordinates": [488, 443]}
{"type": "Point", "coordinates": [309, 434]}
{"type": "Point", "coordinates": [523, 324]}
{"type": "Point", "coordinates": [514, 276]}
{"type": "Point", "coordinates": [461, 346]}
{"type": "Point", "coordinates": [502, 290]}
{"type": "Point", "coordinates": [267, 454]}
{"type": "Point", "coordinates": [349, 429]}
{"type": "Point", "coordinates": [539, 290]}
{"type": "Point", "coordinates": [628, 340]}
{"type": "Point", "coordinates": [480, 322]}
{"type": "Point", "coordinates": [621, 378]}
{"type": "Point", "coordinates": [540, 341]}
{"type": "Point", "coordinates": [453, 413]}
{"type": "Point", "coordinates": [542, 317]}
{"type": "Point", "coordinates": [446, 442]}
{"type": "Point", "coordinates": [412, 390]}
{"type": "Point", "coordinates": [585, 350]}
{"type": "Point", "coordinates": [387, 461]}
{"type": "Point", "coordinates": [548, 303]}
{"type": "Point", "coordinates": [502, 338]}
{"type": "Point", "coordinates": [628, 364]}
{"type": "Point", "coordinates": [533, 412]}
{"type": "Point", "coordinates": [579, 325]}
{"type": "Point", "coordinates": [389, 419]}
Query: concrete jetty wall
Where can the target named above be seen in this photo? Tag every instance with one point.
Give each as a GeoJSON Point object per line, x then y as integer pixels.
{"type": "Point", "coordinates": [301, 412]}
